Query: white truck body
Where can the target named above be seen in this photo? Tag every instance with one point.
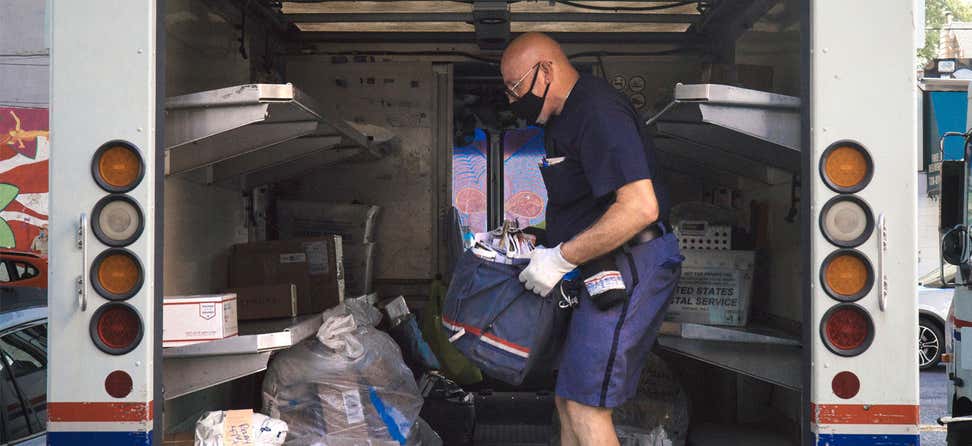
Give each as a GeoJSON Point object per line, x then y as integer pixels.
{"type": "Point", "coordinates": [230, 135]}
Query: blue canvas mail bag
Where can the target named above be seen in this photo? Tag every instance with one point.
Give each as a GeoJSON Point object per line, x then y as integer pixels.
{"type": "Point", "coordinates": [506, 330]}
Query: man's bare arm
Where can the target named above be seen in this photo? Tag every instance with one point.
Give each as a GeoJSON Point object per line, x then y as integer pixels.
{"type": "Point", "coordinates": [634, 208]}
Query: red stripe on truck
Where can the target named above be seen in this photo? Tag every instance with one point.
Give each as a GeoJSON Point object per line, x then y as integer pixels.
{"type": "Point", "coordinates": [960, 323]}
{"type": "Point", "coordinates": [864, 414]}
{"type": "Point", "coordinates": [91, 412]}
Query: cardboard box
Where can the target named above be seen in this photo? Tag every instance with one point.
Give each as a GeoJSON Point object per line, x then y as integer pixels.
{"type": "Point", "coordinates": [266, 301]}
{"type": "Point", "coordinates": [355, 223]}
{"type": "Point", "coordinates": [715, 288]}
{"type": "Point", "coordinates": [358, 268]}
{"type": "Point", "coordinates": [193, 319]}
{"type": "Point", "coordinates": [313, 265]}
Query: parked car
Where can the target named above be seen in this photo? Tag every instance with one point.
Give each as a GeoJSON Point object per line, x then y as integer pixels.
{"type": "Point", "coordinates": [23, 365]}
{"type": "Point", "coordinates": [22, 269]}
{"type": "Point", "coordinates": [934, 298]}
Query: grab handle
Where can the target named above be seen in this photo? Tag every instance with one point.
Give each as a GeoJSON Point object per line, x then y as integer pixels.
{"type": "Point", "coordinates": [81, 241]}
{"type": "Point", "coordinates": [882, 250]}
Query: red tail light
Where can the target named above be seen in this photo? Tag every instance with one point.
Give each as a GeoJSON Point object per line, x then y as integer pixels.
{"type": "Point", "coordinates": [118, 384]}
{"type": "Point", "coordinates": [116, 328]}
{"type": "Point", "coordinates": [847, 330]}
{"type": "Point", "coordinates": [845, 385]}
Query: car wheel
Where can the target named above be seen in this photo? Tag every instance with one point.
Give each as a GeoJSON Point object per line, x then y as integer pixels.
{"type": "Point", "coordinates": [930, 344]}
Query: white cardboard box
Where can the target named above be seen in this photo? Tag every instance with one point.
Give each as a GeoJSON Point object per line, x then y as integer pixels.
{"type": "Point", "coordinates": [715, 288]}
{"type": "Point", "coordinates": [194, 319]}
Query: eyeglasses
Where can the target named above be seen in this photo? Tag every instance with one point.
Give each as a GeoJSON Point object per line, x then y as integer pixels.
{"type": "Point", "coordinates": [511, 91]}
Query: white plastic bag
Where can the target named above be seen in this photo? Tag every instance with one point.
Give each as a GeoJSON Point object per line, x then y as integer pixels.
{"type": "Point", "coordinates": [211, 429]}
{"type": "Point", "coordinates": [337, 333]}
{"type": "Point", "coordinates": [363, 309]}
{"type": "Point", "coordinates": [347, 386]}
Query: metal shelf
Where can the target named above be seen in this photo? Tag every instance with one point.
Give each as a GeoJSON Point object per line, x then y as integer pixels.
{"type": "Point", "coordinates": [741, 131]}
{"type": "Point", "coordinates": [752, 334]}
{"type": "Point", "coordinates": [230, 130]}
{"type": "Point", "coordinates": [775, 363]}
{"type": "Point", "coordinates": [199, 366]}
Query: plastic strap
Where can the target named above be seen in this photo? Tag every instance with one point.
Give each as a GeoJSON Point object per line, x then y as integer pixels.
{"type": "Point", "coordinates": [386, 417]}
{"type": "Point", "coordinates": [455, 337]}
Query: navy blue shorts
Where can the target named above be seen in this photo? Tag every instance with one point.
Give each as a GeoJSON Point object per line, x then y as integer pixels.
{"type": "Point", "coordinates": [605, 351]}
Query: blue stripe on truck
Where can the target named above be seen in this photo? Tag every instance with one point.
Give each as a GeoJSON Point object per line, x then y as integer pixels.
{"type": "Point", "coordinates": [99, 438]}
{"type": "Point", "coordinates": [867, 440]}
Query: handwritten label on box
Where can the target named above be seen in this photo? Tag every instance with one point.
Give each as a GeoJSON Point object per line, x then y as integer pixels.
{"type": "Point", "coordinates": [238, 428]}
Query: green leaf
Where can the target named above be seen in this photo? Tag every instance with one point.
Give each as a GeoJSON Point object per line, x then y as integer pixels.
{"type": "Point", "coordinates": [7, 194]}
{"type": "Point", "coordinates": [7, 239]}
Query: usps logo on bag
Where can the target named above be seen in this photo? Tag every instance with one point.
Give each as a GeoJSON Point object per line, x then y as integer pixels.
{"type": "Point", "coordinates": [207, 310]}
{"type": "Point", "coordinates": [604, 281]}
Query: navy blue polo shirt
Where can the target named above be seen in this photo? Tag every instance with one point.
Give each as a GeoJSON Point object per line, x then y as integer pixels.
{"type": "Point", "coordinates": [605, 145]}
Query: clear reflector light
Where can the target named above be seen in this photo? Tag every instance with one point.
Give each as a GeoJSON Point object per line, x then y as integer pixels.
{"type": "Point", "coordinates": [117, 220]}
{"type": "Point", "coordinates": [846, 221]}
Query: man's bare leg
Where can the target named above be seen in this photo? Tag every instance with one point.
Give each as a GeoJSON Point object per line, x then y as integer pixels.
{"type": "Point", "coordinates": [592, 426]}
{"type": "Point", "coordinates": [567, 436]}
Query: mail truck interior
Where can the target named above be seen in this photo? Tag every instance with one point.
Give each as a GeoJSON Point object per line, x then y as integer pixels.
{"type": "Point", "coordinates": [275, 108]}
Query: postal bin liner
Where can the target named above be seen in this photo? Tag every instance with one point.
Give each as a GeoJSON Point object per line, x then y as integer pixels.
{"type": "Point", "coordinates": [506, 330]}
{"type": "Point", "coordinates": [348, 385]}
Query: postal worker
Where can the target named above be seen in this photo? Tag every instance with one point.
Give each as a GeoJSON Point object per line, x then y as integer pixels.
{"type": "Point", "coordinates": [607, 203]}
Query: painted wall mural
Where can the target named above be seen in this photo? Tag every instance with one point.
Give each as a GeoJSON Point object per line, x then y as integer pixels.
{"type": "Point", "coordinates": [469, 182]}
{"type": "Point", "coordinates": [24, 154]}
{"type": "Point", "coordinates": [524, 194]}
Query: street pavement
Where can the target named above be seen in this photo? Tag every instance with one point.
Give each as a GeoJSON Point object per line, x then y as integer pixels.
{"type": "Point", "coordinates": [934, 404]}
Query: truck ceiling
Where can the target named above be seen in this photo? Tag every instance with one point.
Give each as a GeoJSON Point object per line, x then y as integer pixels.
{"type": "Point", "coordinates": [491, 23]}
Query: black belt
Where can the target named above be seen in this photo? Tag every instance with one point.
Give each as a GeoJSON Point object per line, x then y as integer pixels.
{"type": "Point", "coordinates": [653, 231]}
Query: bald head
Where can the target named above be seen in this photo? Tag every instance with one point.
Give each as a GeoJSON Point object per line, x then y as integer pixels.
{"type": "Point", "coordinates": [528, 49]}
{"type": "Point", "coordinates": [524, 54]}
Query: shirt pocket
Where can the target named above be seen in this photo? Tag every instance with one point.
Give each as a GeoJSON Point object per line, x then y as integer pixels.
{"type": "Point", "coordinates": [565, 182]}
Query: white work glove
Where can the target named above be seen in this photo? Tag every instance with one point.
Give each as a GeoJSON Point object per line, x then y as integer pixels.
{"type": "Point", "coordinates": [547, 266]}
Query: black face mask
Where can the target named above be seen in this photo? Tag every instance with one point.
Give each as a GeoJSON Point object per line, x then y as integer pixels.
{"type": "Point", "coordinates": [529, 106]}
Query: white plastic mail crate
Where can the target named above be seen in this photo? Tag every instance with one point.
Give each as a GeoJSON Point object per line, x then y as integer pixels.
{"type": "Point", "coordinates": [715, 288]}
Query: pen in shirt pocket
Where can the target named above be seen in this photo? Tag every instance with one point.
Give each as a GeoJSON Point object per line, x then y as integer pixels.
{"type": "Point", "coordinates": [551, 161]}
